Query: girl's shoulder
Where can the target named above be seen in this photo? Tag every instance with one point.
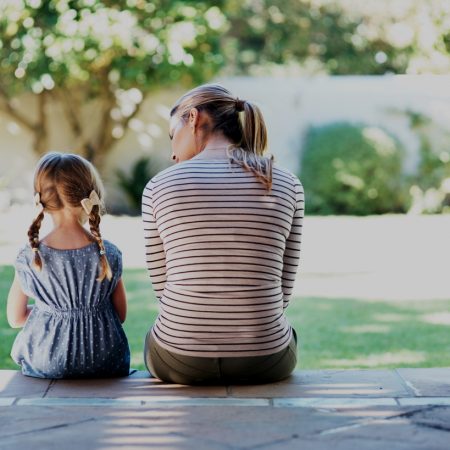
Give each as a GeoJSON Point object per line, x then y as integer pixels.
{"type": "Point", "coordinates": [25, 253]}
{"type": "Point", "coordinates": [111, 249]}
{"type": "Point", "coordinates": [23, 257]}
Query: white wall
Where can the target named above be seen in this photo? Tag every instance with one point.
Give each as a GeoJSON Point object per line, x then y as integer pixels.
{"type": "Point", "coordinates": [289, 105]}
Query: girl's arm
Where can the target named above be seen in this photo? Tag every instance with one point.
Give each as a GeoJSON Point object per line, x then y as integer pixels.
{"type": "Point", "coordinates": [119, 301]}
{"type": "Point", "coordinates": [17, 309]}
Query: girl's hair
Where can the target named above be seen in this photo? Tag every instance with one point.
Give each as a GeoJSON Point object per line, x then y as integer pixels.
{"type": "Point", "coordinates": [239, 120]}
{"type": "Point", "coordinates": [63, 180]}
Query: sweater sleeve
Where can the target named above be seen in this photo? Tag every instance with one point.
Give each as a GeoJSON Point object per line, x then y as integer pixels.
{"type": "Point", "coordinates": [155, 255]}
{"type": "Point", "coordinates": [291, 256]}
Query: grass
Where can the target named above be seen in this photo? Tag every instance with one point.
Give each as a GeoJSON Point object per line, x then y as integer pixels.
{"type": "Point", "coordinates": [332, 333]}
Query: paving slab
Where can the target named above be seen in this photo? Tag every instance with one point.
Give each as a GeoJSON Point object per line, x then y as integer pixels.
{"type": "Point", "coordinates": [335, 403]}
{"type": "Point", "coordinates": [220, 428]}
{"type": "Point", "coordinates": [312, 410]}
{"type": "Point", "coordinates": [421, 401]}
{"type": "Point", "coordinates": [427, 382]}
{"type": "Point", "coordinates": [100, 429]}
{"type": "Point", "coordinates": [145, 402]}
{"type": "Point", "coordinates": [401, 433]}
{"type": "Point", "coordinates": [330, 383]}
{"type": "Point", "coordinates": [138, 385]}
{"type": "Point", "coordinates": [7, 401]}
{"type": "Point", "coordinates": [178, 428]}
{"type": "Point", "coordinates": [14, 384]}
{"type": "Point", "coordinates": [437, 418]}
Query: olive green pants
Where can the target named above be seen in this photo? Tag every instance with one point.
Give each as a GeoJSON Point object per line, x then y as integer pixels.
{"type": "Point", "coordinates": [181, 369]}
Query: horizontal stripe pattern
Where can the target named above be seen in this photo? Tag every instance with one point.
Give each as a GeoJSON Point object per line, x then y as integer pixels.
{"type": "Point", "coordinates": [222, 254]}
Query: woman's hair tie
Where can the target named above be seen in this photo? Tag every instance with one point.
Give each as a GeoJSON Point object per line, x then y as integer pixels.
{"type": "Point", "coordinates": [239, 104]}
{"type": "Point", "coordinates": [102, 252]}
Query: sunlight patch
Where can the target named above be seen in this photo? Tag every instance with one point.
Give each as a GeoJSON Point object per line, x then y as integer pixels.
{"type": "Point", "coordinates": [380, 359]}
{"type": "Point", "coordinates": [439, 318]}
{"type": "Point", "coordinates": [389, 317]}
{"type": "Point", "coordinates": [368, 328]}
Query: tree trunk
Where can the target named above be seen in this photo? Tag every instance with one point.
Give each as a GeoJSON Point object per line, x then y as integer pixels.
{"type": "Point", "coordinates": [40, 142]}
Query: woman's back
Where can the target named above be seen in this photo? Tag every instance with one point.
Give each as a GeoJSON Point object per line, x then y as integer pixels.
{"type": "Point", "coordinates": [222, 253]}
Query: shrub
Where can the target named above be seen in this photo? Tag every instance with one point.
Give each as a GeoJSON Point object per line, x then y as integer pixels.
{"type": "Point", "coordinates": [134, 183]}
{"type": "Point", "coordinates": [352, 169]}
{"type": "Point", "coordinates": [430, 185]}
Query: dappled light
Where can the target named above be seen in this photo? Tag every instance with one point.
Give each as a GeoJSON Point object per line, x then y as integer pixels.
{"type": "Point", "coordinates": [369, 328]}
{"type": "Point", "coordinates": [390, 317]}
{"type": "Point", "coordinates": [438, 318]}
{"type": "Point", "coordinates": [379, 360]}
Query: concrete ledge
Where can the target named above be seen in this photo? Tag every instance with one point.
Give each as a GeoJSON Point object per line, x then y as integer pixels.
{"type": "Point", "coordinates": [367, 385]}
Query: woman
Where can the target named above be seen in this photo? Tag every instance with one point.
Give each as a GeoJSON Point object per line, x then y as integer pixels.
{"type": "Point", "coordinates": [222, 236]}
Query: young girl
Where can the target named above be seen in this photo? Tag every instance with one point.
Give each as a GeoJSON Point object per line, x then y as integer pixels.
{"type": "Point", "coordinates": [74, 328]}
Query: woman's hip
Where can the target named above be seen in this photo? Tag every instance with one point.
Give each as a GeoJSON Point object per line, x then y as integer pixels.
{"type": "Point", "coordinates": [184, 369]}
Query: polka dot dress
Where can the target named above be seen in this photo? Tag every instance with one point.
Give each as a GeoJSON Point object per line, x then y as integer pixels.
{"type": "Point", "coordinates": [73, 330]}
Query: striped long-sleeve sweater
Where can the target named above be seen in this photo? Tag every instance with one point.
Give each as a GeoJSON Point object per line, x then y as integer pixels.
{"type": "Point", "coordinates": [222, 253]}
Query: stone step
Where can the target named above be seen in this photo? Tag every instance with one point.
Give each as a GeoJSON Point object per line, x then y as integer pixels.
{"type": "Point", "coordinates": [303, 384]}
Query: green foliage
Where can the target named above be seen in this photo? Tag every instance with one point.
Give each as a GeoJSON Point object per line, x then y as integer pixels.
{"type": "Point", "coordinates": [331, 332]}
{"type": "Point", "coordinates": [352, 169]}
{"type": "Point", "coordinates": [338, 37]}
{"type": "Point", "coordinates": [115, 53]}
{"type": "Point", "coordinates": [348, 333]}
{"type": "Point", "coordinates": [133, 184]}
{"type": "Point", "coordinates": [132, 43]}
{"type": "Point", "coordinates": [75, 51]}
{"type": "Point", "coordinates": [430, 185]}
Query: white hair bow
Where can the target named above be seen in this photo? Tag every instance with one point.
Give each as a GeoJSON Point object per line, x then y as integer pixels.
{"type": "Point", "coordinates": [37, 203]}
{"type": "Point", "coordinates": [90, 202]}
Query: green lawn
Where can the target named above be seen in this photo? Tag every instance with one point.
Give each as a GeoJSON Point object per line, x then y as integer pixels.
{"type": "Point", "coordinates": [334, 333]}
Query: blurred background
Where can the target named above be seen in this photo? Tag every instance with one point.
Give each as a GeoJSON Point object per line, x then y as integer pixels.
{"type": "Point", "coordinates": [356, 96]}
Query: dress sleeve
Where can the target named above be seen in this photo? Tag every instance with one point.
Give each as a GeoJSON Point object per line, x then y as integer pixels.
{"type": "Point", "coordinates": [155, 255]}
{"type": "Point", "coordinates": [22, 267]}
{"type": "Point", "coordinates": [291, 256]}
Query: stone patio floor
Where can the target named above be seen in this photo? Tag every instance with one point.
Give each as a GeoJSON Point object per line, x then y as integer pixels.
{"type": "Point", "coordinates": [314, 409]}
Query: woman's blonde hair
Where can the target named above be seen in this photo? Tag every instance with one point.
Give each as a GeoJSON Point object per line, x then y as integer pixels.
{"type": "Point", "coordinates": [239, 120]}
{"type": "Point", "coordinates": [63, 180]}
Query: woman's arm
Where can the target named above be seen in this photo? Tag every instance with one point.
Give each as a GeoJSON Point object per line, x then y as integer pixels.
{"type": "Point", "coordinates": [18, 309]}
{"type": "Point", "coordinates": [291, 256]}
{"type": "Point", "coordinates": [154, 250]}
{"type": "Point", "coordinates": [119, 301]}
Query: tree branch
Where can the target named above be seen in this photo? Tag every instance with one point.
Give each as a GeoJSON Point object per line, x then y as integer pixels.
{"type": "Point", "coordinates": [13, 113]}
{"type": "Point", "coordinates": [71, 109]}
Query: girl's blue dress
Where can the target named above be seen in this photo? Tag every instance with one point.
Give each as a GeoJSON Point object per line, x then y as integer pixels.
{"type": "Point", "coordinates": [73, 330]}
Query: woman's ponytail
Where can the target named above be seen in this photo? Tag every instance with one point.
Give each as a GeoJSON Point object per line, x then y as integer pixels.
{"type": "Point", "coordinates": [249, 153]}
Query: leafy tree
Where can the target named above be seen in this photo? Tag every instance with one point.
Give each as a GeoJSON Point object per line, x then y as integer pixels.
{"type": "Point", "coordinates": [114, 52]}
{"type": "Point", "coordinates": [111, 54]}
{"type": "Point", "coordinates": [339, 36]}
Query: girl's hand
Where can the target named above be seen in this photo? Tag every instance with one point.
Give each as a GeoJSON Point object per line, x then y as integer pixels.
{"type": "Point", "coordinates": [17, 309]}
